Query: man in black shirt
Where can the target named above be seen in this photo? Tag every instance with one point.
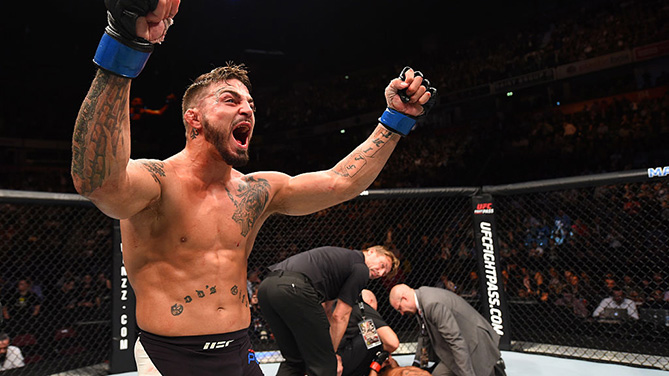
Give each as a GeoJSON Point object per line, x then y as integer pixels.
{"type": "Point", "coordinates": [21, 308]}
{"type": "Point", "coordinates": [357, 354]}
{"type": "Point", "coordinates": [297, 299]}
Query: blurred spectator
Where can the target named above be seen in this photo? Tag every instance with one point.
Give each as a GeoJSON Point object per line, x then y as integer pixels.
{"type": "Point", "coordinates": [572, 303]}
{"type": "Point", "coordinates": [658, 282]}
{"type": "Point", "coordinates": [443, 259]}
{"type": "Point", "coordinates": [87, 299]}
{"type": "Point", "coordinates": [64, 304]}
{"type": "Point", "coordinates": [637, 298]}
{"type": "Point", "coordinates": [609, 285]}
{"type": "Point", "coordinates": [259, 330]}
{"type": "Point", "coordinates": [103, 287]}
{"type": "Point", "coordinates": [138, 109]}
{"type": "Point", "coordinates": [617, 301]}
{"type": "Point", "coordinates": [21, 308]}
{"type": "Point", "coordinates": [656, 299]}
{"type": "Point", "coordinates": [541, 290]}
{"type": "Point", "coordinates": [470, 287]}
{"type": "Point", "coordinates": [445, 283]}
{"type": "Point", "coordinates": [252, 281]}
{"type": "Point", "coordinates": [555, 282]}
{"type": "Point", "coordinates": [10, 356]}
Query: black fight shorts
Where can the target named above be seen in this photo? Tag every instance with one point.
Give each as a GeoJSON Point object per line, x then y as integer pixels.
{"type": "Point", "coordinates": [217, 354]}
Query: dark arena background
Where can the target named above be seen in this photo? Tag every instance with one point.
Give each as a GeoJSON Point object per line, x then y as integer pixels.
{"type": "Point", "coordinates": [542, 171]}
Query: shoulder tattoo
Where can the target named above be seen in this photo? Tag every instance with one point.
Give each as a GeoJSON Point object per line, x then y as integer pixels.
{"type": "Point", "coordinates": [155, 168]}
{"type": "Point", "coordinates": [250, 199]}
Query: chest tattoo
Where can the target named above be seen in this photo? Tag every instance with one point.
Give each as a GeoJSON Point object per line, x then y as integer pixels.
{"type": "Point", "coordinates": [250, 199]}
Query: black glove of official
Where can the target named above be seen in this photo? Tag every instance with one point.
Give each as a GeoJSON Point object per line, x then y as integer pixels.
{"type": "Point", "coordinates": [122, 18]}
{"type": "Point", "coordinates": [379, 358]}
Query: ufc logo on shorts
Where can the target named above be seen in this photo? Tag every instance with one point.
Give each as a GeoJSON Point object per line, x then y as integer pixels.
{"type": "Point", "coordinates": [217, 345]}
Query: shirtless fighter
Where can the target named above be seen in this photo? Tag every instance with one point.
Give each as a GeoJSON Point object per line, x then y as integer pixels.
{"type": "Point", "coordinates": [189, 222]}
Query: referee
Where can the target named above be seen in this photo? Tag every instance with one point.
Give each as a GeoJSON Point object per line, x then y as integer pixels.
{"type": "Point", "coordinates": [297, 300]}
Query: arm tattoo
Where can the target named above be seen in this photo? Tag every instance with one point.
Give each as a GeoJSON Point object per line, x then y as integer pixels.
{"type": "Point", "coordinates": [155, 169]}
{"type": "Point", "coordinates": [250, 200]}
{"type": "Point", "coordinates": [356, 162]}
{"type": "Point", "coordinates": [352, 165]}
{"type": "Point", "coordinates": [98, 130]}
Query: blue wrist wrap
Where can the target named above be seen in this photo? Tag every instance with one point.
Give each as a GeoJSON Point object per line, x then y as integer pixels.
{"type": "Point", "coordinates": [397, 121]}
{"type": "Point", "coordinates": [118, 58]}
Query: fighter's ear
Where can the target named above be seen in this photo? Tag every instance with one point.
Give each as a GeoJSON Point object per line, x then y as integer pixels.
{"type": "Point", "coordinates": [193, 117]}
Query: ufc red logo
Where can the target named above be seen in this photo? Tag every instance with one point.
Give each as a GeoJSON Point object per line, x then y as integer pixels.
{"type": "Point", "coordinates": [487, 205]}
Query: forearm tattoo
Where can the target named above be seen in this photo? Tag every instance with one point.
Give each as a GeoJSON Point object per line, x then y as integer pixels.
{"type": "Point", "coordinates": [250, 200]}
{"type": "Point", "coordinates": [98, 130]}
{"type": "Point", "coordinates": [357, 161]}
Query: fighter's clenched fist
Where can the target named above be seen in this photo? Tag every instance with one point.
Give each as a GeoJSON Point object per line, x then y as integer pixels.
{"type": "Point", "coordinates": [408, 96]}
{"type": "Point", "coordinates": [133, 27]}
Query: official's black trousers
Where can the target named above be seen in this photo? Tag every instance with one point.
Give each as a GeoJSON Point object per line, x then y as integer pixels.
{"type": "Point", "coordinates": [292, 308]}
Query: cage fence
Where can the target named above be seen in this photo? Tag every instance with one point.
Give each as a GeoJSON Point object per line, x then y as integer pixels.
{"type": "Point", "coordinates": [566, 254]}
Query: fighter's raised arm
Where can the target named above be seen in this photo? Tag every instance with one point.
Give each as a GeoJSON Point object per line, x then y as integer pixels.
{"type": "Point", "coordinates": [408, 97]}
{"type": "Point", "coordinates": [101, 166]}
{"type": "Point", "coordinates": [189, 222]}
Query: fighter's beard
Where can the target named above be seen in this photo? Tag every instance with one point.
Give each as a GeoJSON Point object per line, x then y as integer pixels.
{"type": "Point", "coordinates": [219, 140]}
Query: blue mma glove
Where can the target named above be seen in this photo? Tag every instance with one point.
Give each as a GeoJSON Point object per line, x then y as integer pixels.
{"type": "Point", "coordinates": [120, 50]}
{"type": "Point", "coordinates": [401, 123]}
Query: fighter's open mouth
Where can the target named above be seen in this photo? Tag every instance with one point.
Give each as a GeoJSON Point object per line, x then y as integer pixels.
{"type": "Point", "coordinates": [241, 134]}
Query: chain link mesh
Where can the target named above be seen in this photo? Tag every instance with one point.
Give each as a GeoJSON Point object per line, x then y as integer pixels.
{"type": "Point", "coordinates": [566, 253]}
{"type": "Point", "coordinates": [55, 288]}
{"type": "Point", "coordinates": [562, 254]}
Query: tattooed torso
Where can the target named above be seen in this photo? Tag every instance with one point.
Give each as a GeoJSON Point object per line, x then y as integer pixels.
{"type": "Point", "coordinates": [186, 254]}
